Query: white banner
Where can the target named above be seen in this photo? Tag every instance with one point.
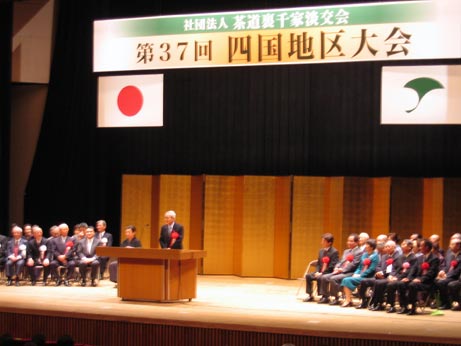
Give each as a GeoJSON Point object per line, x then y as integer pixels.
{"type": "Point", "coordinates": [421, 94]}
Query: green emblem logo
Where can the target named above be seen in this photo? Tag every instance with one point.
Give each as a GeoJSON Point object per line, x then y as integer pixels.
{"type": "Point", "coordinates": [422, 86]}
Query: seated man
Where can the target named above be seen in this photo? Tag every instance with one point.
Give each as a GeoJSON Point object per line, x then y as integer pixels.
{"type": "Point", "coordinates": [386, 266]}
{"type": "Point", "coordinates": [448, 273]}
{"type": "Point", "coordinates": [328, 257]}
{"type": "Point", "coordinates": [398, 277]}
{"type": "Point", "coordinates": [329, 284]}
{"type": "Point", "coordinates": [130, 242]}
{"type": "Point", "coordinates": [16, 253]}
{"type": "Point", "coordinates": [105, 239]}
{"type": "Point", "coordinates": [454, 290]}
{"type": "Point", "coordinates": [62, 246]}
{"type": "Point", "coordinates": [421, 277]}
{"type": "Point", "coordinates": [86, 251]}
{"type": "Point", "coordinates": [38, 254]}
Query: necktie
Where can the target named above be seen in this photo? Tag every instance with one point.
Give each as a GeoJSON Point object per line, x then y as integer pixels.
{"type": "Point", "coordinates": [16, 247]}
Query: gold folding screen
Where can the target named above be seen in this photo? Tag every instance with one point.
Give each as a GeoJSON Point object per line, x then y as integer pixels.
{"type": "Point", "coordinates": [271, 226]}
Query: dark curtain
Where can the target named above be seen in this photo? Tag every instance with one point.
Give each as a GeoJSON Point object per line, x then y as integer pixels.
{"type": "Point", "coordinates": [319, 119]}
{"type": "Point", "coordinates": [6, 29]}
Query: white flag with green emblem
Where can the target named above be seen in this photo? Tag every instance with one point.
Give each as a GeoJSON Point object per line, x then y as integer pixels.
{"type": "Point", "coordinates": [421, 94]}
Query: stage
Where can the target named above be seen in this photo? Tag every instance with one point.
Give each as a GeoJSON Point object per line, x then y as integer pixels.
{"type": "Point", "coordinates": [228, 310]}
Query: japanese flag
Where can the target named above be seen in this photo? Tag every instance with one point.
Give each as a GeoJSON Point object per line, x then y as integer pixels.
{"type": "Point", "coordinates": [130, 101]}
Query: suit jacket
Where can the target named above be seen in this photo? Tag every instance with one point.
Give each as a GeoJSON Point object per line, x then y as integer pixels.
{"type": "Point", "coordinates": [82, 248]}
{"type": "Point", "coordinates": [3, 245]}
{"type": "Point", "coordinates": [333, 256]}
{"type": "Point", "coordinates": [58, 246]}
{"type": "Point", "coordinates": [386, 268]}
{"type": "Point", "coordinates": [33, 250]}
{"type": "Point", "coordinates": [134, 243]}
{"type": "Point", "coordinates": [106, 235]}
{"type": "Point", "coordinates": [350, 266]}
{"type": "Point", "coordinates": [453, 271]}
{"type": "Point", "coordinates": [10, 248]}
{"type": "Point", "coordinates": [400, 271]}
{"type": "Point", "coordinates": [165, 238]}
{"type": "Point", "coordinates": [426, 276]}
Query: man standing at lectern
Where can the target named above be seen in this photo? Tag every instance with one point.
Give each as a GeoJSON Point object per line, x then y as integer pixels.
{"type": "Point", "coordinates": [172, 233]}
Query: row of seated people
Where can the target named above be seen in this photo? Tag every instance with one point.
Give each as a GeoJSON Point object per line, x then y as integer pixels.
{"type": "Point", "coordinates": [386, 269]}
{"type": "Point", "coordinates": [54, 254]}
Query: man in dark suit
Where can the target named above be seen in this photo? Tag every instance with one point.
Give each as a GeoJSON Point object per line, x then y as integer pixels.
{"type": "Point", "coordinates": [329, 284]}
{"type": "Point", "coordinates": [3, 244]}
{"type": "Point", "coordinates": [86, 250]}
{"type": "Point", "coordinates": [326, 262]}
{"type": "Point", "coordinates": [172, 233]}
{"type": "Point", "coordinates": [449, 273]}
{"type": "Point", "coordinates": [421, 277]}
{"type": "Point", "coordinates": [396, 278]}
{"type": "Point", "coordinates": [130, 242]}
{"type": "Point", "coordinates": [386, 266]}
{"type": "Point", "coordinates": [62, 247]}
{"type": "Point", "coordinates": [105, 239]}
{"type": "Point", "coordinates": [38, 255]}
{"type": "Point", "coordinates": [16, 253]}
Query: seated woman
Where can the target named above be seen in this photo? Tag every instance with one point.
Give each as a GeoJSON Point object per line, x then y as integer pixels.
{"type": "Point", "coordinates": [366, 269]}
{"type": "Point", "coordinates": [130, 241]}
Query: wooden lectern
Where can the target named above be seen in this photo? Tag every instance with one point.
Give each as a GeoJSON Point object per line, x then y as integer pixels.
{"type": "Point", "coordinates": [155, 274]}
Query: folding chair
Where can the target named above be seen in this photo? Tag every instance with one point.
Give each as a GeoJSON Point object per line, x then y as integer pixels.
{"type": "Point", "coordinates": [310, 266]}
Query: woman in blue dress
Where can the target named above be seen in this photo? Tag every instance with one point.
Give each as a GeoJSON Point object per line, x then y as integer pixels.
{"type": "Point", "coordinates": [366, 269]}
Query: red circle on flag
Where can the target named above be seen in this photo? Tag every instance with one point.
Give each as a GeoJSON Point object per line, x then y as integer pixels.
{"type": "Point", "coordinates": [130, 100]}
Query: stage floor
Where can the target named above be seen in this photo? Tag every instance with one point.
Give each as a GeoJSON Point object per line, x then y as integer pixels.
{"type": "Point", "coordinates": [229, 302]}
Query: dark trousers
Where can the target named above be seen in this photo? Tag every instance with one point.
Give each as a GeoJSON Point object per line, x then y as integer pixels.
{"type": "Point", "coordinates": [14, 268]}
{"type": "Point", "coordinates": [83, 267]}
{"type": "Point", "coordinates": [335, 283]}
{"type": "Point", "coordinates": [113, 268]}
{"type": "Point", "coordinates": [70, 266]}
{"type": "Point", "coordinates": [454, 290]}
{"type": "Point", "coordinates": [442, 287]}
{"type": "Point", "coordinates": [34, 272]}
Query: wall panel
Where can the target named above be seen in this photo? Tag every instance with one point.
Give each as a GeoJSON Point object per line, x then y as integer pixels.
{"type": "Point", "coordinates": [219, 214]}
{"type": "Point", "coordinates": [258, 226]}
{"type": "Point", "coordinates": [307, 221]}
{"type": "Point", "coordinates": [451, 209]}
{"type": "Point", "coordinates": [136, 206]}
{"type": "Point", "coordinates": [406, 206]}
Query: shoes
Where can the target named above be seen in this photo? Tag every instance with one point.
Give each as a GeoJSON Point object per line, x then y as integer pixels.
{"type": "Point", "coordinates": [93, 283]}
{"type": "Point", "coordinates": [392, 310]}
{"type": "Point", "coordinates": [66, 283]}
{"type": "Point", "coordinates": [456, 308]}
{"type": "Point", "coordinates": [363, 305]}
{"type": "Point", "coordinates": [308, 299]}
{"type": "Point", "coordinates": [16, 282]}
{"type": "Point", "coordinates": [377, 307]}
{"type": "Point", "coordinates": [44, 283]}
{"type": "Point", "coordinates": [59, 282]}
{"type": "Point", "coordinates": [444, 307]}
{"type": "Point", "coordinates": [403, 311]}
{"type": "Point", "coordinates": [101, 277]}
{"type": "Point", "coordinates": [33, 282]}
{"type": "Point", "coordinates": [83, 284]}
{"type": "Point", "coordinates": [324, 300]}
{"type": "Point", "coordinates": [335, 302]}
{"type": "Point", "coordinates": [433, 304]}
{"type": "Point", "coordinates": [346, 304]}
{"type": "Point", "coordinates": [411, 312]}
{"type": "Point", "coordinates": [9, 282]}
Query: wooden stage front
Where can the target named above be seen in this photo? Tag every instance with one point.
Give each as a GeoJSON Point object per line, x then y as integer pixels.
{"type": "Point", "coordinates": [228, 310]}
